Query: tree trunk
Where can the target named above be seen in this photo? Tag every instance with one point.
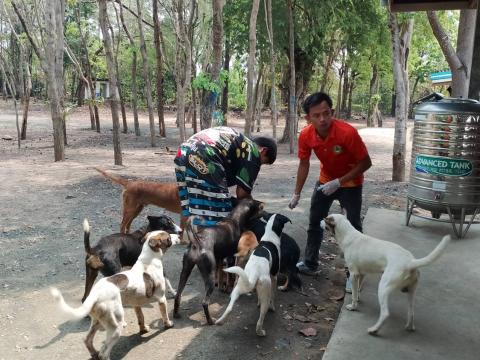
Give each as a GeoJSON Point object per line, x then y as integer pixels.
{"type": "Point", "coordinates": [92, 106]}
{"type": "Point", "coordinates": [252, 41]}
{"type": "Point", "coordinates": [226, 67]}
{"type": "Point", "coordinates": [459, 61]}
{"type": "Point", "coordinates": [273, 61]}
{"type": "Point", "coordinates": [180, 67]}
{"type": "Point", "coordinates": [159, 70]}
{"type": "Point", "coordinates": [401, 36]}
{"type": "Point", "coordinates": [372, 91]}
{"type": "Point", "coordinates": [346, 84]}
{"type": "Point", "coordinates": [146, 75]}
{"type": "Point", "coordinates": [133, 71]}
{"type": "Point", "coordinates": [292, 103]}
{"type": "Point", "coordinates": [341, 71]}
{"type": "Point", "coordinates": [209, 98]}
{"type": "Point", "coordinates": [332, 54]}
{"type": "Point", "coordinates": [257, 94]}
{"type": "Point", "coordinates": [112, 74]}
{"type": "Point", "coordinates": [350, 93]}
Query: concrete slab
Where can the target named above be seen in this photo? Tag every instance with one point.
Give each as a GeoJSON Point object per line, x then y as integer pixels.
{"type": "Point", "coordinates": [447, 310]}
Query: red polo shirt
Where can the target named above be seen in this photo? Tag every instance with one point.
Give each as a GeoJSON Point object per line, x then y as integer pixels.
{"type": "Point", "coordinates": [338, 153]}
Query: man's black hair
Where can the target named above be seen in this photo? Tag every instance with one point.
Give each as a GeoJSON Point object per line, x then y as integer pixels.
{"type": "Point", "coordinates": [269, 144]}
{"type": "Point", "coordinates": [315, 99]}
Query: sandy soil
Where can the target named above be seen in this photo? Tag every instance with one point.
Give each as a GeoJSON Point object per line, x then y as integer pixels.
{"type": "Point", "coordinates": [42, 207]}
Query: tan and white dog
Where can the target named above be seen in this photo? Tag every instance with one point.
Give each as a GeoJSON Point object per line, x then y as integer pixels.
{"type": "Point", "coordinates": [144, 283]}
{"type": "Point", "coordinates": [366, 255]}
{"type": "Point", "coordinates": [260, 272]}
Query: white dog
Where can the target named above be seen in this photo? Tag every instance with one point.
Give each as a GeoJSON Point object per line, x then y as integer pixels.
{"type": "Point", "coordinates": [365, 255]}
{"type": "Point", "coordinates": [144, 283]}
{"type": "Point", "coordinates": [260, 272]}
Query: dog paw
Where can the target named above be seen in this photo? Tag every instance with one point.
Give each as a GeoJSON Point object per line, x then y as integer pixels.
{"type": "Point", "coordinates": [351, 307]}
{"type": "Point", "coordinates": [409, 327]}
{"type": "Point", "coordinates": [173, 293]}
{"type": "Point", "coordinates": [271, 308]}
{"type": "Point", "coordinates": [168, 325]}
{"type": "Point", "coordinates": [219, 322]}
{"type": "Point", "coordinates": [283, 288]}
{"type": "Point", "coordinates": [373, 331]}
{"type": "Point", "coordinates": [261, 332]}
{"type": "Point", "coordinates": [144, 329]}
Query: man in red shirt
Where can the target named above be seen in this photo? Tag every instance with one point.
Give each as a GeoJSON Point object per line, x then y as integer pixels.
{"type": "Point", "coordinates": [343, 160]}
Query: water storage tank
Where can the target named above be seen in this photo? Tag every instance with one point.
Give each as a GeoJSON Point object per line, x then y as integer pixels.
{"type": "Point", "coordinates": [445, 166]}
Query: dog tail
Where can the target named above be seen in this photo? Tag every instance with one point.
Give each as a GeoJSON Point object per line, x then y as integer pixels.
{"type": "Point", "coordinates": [86, 237]}
{"type": "Point", "coordinates": [242, 275]}
{"type": "Point", "coordinates": [73, 313]}
{"type": "Point", "coordinates": [115, 179]}
{"type": "Point", "coordinates": [434, 255]}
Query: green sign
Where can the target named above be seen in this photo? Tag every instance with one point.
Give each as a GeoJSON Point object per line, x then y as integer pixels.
{"type": "Point", "coordinates": [436, 165]}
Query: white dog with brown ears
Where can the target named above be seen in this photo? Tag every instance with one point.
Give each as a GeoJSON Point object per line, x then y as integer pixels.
{"type": "Point", "coordinates": [260, 272]}
{"type": "Point", "coordinates": [366, 255]}
{"type": "Point", "coordinates": [144, 283]}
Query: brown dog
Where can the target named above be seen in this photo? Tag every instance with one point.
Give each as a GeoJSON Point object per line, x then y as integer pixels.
{"type": "Point", "coordinates": [247, 243]}
{"type": "Point", "coordinates": [138, 193]}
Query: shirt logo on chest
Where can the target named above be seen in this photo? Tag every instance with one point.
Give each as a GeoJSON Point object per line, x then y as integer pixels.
{"type": "Point", "coordinates": [337, 149]}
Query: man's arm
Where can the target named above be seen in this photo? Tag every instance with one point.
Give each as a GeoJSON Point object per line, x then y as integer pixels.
{"type": "Point", "coordinates": [356, 171]}
{"type": "Point", "coordinates": [302, 174]}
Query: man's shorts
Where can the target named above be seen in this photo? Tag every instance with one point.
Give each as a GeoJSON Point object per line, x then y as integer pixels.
{"type": "Point", "coordinates": [202, 185]}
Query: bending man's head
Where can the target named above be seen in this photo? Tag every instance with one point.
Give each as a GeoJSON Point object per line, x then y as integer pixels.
{"type": "Point", "coordinates": [268, 149]}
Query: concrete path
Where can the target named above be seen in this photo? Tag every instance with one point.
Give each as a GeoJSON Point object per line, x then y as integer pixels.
{"type": "Point", "coordinates": [447, 316]}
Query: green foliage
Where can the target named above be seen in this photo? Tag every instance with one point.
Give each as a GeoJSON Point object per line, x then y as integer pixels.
{"type": "Point", "coordinates": [205, 82]}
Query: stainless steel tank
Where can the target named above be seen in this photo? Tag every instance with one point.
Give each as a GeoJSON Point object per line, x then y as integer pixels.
{"type": "Point", "coordinates": [445, 165]}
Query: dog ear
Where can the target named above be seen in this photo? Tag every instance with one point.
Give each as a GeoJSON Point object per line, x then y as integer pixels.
{"type": "Point", "coordinates": [330, 222]}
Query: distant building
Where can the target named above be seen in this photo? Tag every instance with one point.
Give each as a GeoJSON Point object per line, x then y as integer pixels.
{"type": "Point", "coordinates": [102, 89]}
{"type": "Point", "coordinates": [441, 78]}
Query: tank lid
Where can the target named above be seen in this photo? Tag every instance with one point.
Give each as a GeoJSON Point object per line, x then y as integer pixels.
{"type": "Point", "coordinates": [436, 103]}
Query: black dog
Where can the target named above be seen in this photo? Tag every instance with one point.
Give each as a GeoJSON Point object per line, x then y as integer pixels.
{"type": "Point", "coordinates": [210, 245]}
{"type": "Point", "coordinates": [112, 252]}
{"type": "Point", "coordinates": [289, 256]}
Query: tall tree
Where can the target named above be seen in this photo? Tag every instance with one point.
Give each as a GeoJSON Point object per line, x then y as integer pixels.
{"type": "Point", "coordinates": [133, 48]}
{"type": "Point", "coordinates": [182, 48]}
{"type": "Point", "coordinates": [460, 61]}
{"type": "Point", "coordinates": [273, 62]}
{"type": "Point", "coordinates": [146, 75]}
{"type": "Point", "coordinates": [50, 53]}
{"type": "Point", "coordinates": [209, 97]}
{"type": "Point", "coordinates": [401, 33]}
{"type": "Point", "coordinates": [252, 41]}
{"type": "Point", "coordinates": [292, 102]}
{"type": "Point", "coordinates": [159, 73]}
{"type": "Point", "coordinates": [112, 78]}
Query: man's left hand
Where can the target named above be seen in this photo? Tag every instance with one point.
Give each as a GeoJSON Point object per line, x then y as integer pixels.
{"type": "Point", "coordinates": [330, 187]}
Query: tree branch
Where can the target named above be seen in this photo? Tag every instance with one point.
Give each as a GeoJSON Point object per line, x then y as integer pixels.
{"type": "Point", "coordinates": [444, 42]}
{"type": "Point", "coordinates": [133, 13]}
{"type": "Point", "coordinates": [30, 38]}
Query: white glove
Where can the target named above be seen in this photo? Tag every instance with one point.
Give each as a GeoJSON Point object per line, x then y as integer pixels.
{"type": "Point", "coordinates": [330, 187]}
{"type": "Point", "coordinates": [294, 201]}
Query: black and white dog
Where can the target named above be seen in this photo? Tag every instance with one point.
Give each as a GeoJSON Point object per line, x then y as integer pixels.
{"type": "Point", "coordinates": [260, 272]}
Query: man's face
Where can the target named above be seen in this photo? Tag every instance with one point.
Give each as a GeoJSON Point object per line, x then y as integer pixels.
{"type": "Point", "coordinates": [264, 159]}
{"type": "Point", "coordinates": [320, 116]}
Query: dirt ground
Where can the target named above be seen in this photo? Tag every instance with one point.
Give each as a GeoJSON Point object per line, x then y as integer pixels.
{"type": "Point", "coordinates": [44, 203]}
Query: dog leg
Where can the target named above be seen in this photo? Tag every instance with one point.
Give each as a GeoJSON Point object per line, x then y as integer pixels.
{"type": "Point", "coordinates": [141, 320]}
{"type": "Point", "coordinates": [233, 298]}
{"type": "Point", "coordinates": [187, 268]}
{"type": "Point", "coordinates": [162, 303]}
{"type": "Point", "coordinates": [284, 287]}
{"type": "Point", "coordinates": [130, 212]}
{"type": "Point", "coordinates": [170, 288]}
{"type": "Point", "coordinates": [410, 326]}
{"type": "Point", "coordinates": [272, 295]}
{"type": "Point", "coordinates": [264, 292]}
{"type": "Point", "coordinates": [207, 269]}
{"type": "Point", "coordinates": [90, 276]}
{"type": "Point", "coordinates": [384, 290]}
{"type": "Point", "coordinates": [113, 335]}
{"type": "Point", "coordinates": [355, 291]}
{"type": "Point", "coordinates": [94, 327]}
